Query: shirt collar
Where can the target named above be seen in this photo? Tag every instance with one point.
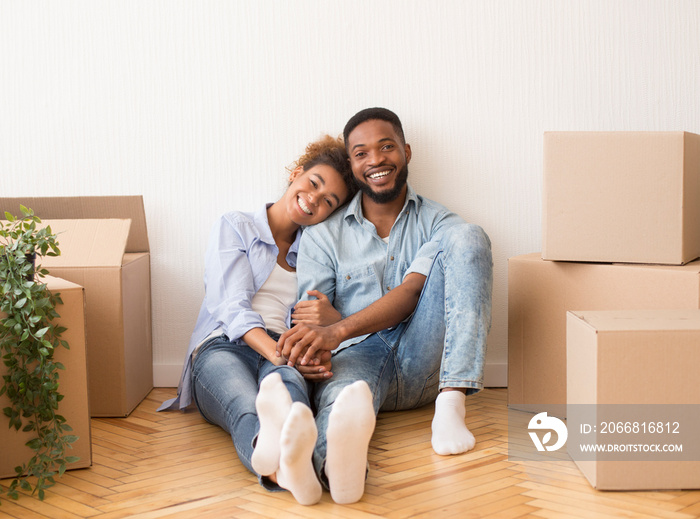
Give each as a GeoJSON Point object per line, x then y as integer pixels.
{"type": "Point", "coordinates": [354, 208]}
{"type": "Point", "coordinates": [263, 225]}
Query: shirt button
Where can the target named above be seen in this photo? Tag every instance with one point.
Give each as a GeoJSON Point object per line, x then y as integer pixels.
{"type": "Point", "coordinates": [347, 277]}
{"type": "Point", "coordinates": [392, 258]}
{"type": "Point", "coordinates": [388, 288]}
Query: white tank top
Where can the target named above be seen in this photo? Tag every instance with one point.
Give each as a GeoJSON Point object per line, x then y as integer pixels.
{"type": "Point", "coordinates": [274, 299]}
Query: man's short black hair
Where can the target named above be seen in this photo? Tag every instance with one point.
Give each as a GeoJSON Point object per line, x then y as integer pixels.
{"type": "Point", "coordinates": [369, 114]}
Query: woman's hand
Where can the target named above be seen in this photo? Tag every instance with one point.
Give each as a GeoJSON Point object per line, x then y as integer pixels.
{"type": "Point", "coordinates": [277, 361]}
{"type": "Point", "coordinates": [319, 311]}
{"type": "Point", "coordinates": [319, 369]}
{"type": "Point", "coordinates": [261, 342]}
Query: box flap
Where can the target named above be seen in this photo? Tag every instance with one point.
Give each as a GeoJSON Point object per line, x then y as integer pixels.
{"type": "Point", "coordinates": [88, 207]}
{"type": "Point", "coordinates": [641, 320]}
{"type": "Point", "coordinates": [88, 243]}
{"type": "Point", "coordinates": [60, 284]}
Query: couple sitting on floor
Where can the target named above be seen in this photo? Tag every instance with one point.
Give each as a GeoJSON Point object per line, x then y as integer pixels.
{"type": "Point", "coordinates": [395, 308]}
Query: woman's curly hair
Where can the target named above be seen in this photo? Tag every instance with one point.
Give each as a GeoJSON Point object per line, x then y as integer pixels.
{"type": "Point", "coordinates": [331, 152]}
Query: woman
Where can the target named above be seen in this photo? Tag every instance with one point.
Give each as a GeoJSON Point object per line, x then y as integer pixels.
{"type": "Point", "coordinates": [250, 288]}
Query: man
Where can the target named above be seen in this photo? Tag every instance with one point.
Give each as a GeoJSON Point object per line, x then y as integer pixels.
{"type": "Point", "coordinates": [412, 283]}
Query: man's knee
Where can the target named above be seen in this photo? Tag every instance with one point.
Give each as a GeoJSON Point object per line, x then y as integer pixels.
{"type": "Point", "coordinates": [467, 239]}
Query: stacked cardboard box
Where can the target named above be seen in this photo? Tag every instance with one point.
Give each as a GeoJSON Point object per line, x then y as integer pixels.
{"type": "Point", "coordinates": [541, 292]}
{"type": "Point", "coordinates": [73, 386]}
{"type": "Point", "coordinates": [104, 248]}
{"type": "Point", "coordinates": [621, 197]}
{"type": "Point", "coordinates": [621, 231]}
{"type": "Point", "coordinates": [646, 359]}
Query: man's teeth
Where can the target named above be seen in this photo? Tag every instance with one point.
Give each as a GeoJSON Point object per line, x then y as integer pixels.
{"type": "Point", "coordinates": [379, 174]}
{"type": "Point", "coordinates": [303, 205]}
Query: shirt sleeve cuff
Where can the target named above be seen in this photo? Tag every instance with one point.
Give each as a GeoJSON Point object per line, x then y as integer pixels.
{"type": "Point", "coordinates": [420, 266]}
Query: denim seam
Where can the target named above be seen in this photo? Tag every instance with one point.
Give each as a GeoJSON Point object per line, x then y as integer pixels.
{"type": "Point", "coordinates": [407, 322]}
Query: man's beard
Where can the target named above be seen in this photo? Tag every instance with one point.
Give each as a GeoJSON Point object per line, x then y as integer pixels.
{"type": "Point", "coordinates": [384, 197]}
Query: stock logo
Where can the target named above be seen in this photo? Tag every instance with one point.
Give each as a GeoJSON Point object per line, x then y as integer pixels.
{"type": "Point", "coordinates": [542, 422]}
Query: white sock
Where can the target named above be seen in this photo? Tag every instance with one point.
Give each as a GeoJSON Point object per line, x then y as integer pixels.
{"type": "Point", "coordinates": [272, 404]}
{"type": "Point", "coordinates": [296, 472]}
{"type": "Point", "coordinates": [450, 433]}
{"type": "Point", "coordinates": [350, 427]}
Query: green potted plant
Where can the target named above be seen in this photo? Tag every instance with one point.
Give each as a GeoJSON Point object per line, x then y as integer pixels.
{"type": "Point", "coordinates": [28, 338]}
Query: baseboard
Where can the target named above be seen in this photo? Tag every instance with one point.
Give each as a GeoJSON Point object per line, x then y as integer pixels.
{"type": "Point", "coordinates": [496, 375]}
{"type": "Point", "coordinates": [168, 375]}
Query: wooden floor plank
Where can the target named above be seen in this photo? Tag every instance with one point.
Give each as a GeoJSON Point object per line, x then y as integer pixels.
{"type": "Point", "coordinates": [176, 465]}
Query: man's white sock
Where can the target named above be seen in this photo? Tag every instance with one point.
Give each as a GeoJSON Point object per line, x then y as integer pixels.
{"type": "Point", "coordinates": [296, 472]}
{"type": "Point", "coordinates": [273, 404]}
{"type": "Point", "coordinates": [350, 428]}
{"type": "Point", "coordinates": [450, 433]}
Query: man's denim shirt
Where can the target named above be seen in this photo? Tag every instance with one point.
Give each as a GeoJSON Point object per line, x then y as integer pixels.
{"type": "Point", "coordinates": [345, 258]}
{"type": "Point", "coordinates": [240, 257]}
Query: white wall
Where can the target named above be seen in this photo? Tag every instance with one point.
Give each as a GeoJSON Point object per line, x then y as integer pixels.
{"type": "Point", "coordinates": [199, 106]}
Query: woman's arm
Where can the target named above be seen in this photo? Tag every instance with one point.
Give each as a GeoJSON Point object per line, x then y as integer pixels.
{"type": "Point", "coordinates": [229, 276]}
{"type": "Point", "coordinates": [261, 342]}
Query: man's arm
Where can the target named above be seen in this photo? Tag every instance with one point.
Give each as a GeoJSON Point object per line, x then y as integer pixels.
{"type": "Point", "coordinates": [387, 311]}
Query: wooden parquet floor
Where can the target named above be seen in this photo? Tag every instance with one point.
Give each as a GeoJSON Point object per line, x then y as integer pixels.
{"type": "Point", "coordinates": [174, 465]}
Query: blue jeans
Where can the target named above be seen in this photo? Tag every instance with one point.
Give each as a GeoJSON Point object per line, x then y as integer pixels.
{"type": "Point", "coordinates": [226, 376]}
{"type": "Point", "coordinates": [442, 344]}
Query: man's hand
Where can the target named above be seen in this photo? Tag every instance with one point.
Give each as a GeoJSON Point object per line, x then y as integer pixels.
{"type": "Point", "coordinates": [319, 370]}
{"type": "Point", "coordinates": [300, 344]}
{"type": "Point", "coordinates": [317, 311]}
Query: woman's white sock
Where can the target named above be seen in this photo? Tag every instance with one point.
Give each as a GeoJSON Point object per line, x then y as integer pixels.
{"type": "Point", "coordinates": [350, 428]}
{"type": "Point", "coordinates": [296, 472]}
{"type": "Point", "coordinates": [450, 433]}
{"type": "Point", "coordinates": [273, 404]}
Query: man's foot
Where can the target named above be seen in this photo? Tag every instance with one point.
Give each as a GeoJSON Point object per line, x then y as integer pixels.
{"type": "Point", "coordinates": [296, 472]}
{"type": "Point", "coordinates": [350, 427]}
{"type": "Point", "coordinates": [273, 404]}
{"type": "Point", "coordinates": [450, 433]}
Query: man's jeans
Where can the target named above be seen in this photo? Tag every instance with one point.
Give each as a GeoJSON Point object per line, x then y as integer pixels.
{"type": "Point", "coordinates": [443, 344]}
{"type": "Point", "coordinates": [226, 376]}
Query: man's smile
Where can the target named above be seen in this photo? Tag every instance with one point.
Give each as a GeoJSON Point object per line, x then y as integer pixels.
{"type": "Point", "coordinates": [376, 175]}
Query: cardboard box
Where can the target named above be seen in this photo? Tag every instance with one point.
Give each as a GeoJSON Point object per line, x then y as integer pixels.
{"type": "Point", "coordinates": [646, 360]}
{"type": "Point", "coordinates": [104, 248]}
{"type": "Point", "coordinates": [541, 292]}
{"type": "Point", "coordinates": [73, 386]}
{"type": "Point", "coordinates": [630, 197]}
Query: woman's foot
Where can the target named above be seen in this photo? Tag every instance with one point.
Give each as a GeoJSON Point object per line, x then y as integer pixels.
{"type": "Point", "coordinates": [350, 427]}
{"type": "Point", "coordinates": [273, 404]}
{"type": "Point", "coordinates": [297, 442]}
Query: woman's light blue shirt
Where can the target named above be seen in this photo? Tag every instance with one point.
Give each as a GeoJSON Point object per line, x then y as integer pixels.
{"type": "Point", "coordinates": [240, 256]}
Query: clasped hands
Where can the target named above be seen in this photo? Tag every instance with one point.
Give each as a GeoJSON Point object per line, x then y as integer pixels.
{"type": "Point", "coordinates": [308, 344]}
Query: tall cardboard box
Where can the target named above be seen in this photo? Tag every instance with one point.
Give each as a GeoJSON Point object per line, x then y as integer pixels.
{"type": "Point", "coordinates": [72, 385]}
{"type": "Point", "coordinates": [630, 197]}
{"type": "Point", "coordinates": [541, 292]}
{"type": "Point", "coordinates": [104, 248]}
{"type": "Point", "coordinates": [632, 380]}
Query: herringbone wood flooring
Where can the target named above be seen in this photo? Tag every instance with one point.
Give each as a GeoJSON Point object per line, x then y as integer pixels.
{"type": "Point", "coordinates": [174, 465]}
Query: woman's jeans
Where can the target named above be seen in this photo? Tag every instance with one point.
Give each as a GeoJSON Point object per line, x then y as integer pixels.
{"type": "Point", "coordinates": [442, 345]}
{"type": "Point", "coordinates": [226, 377]}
